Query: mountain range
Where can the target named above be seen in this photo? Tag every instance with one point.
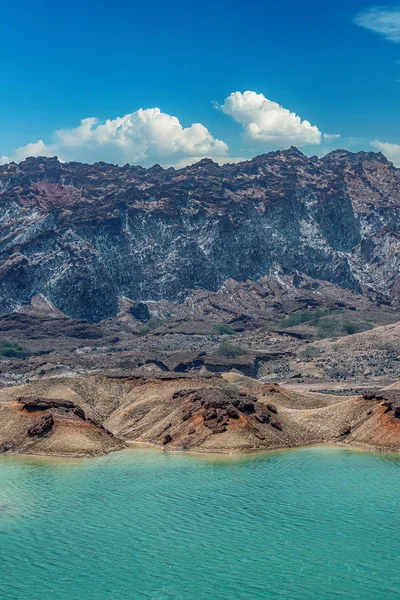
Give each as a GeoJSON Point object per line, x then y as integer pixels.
{"type": "Point", "coordinates": [85, 236]}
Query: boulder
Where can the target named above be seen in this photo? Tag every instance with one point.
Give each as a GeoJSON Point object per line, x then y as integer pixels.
{"type": "Point", "coordinates": [232, 412]}
{"type": "Point", "coordinates": [79, 412]}
{"type": "Point", "coordinates": [42, 426]}
{"type": "Point", "coordinates": [346, 430]}
{"type": "Point", "coordinates": [209, 414]}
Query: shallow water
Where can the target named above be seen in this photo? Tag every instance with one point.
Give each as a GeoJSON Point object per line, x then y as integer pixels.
{"type": "Point", "coordinates": [311, 524]}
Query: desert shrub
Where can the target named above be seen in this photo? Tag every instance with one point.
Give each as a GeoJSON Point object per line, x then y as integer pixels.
{"type": "Point", "coordinates": [311, 317]}
{"type": "Point", "coordinates": [327, 323]}
{"type": "Point", "coordinates": [224, 328]}
{"type": "Point", "coordinates": [144, 329]}
{"type": "Point", "coordinates": [12, 350]}
{"type": "Point", "coordinates": [151, 324]}
{"type": "Point", "coordinates": [310, 352]}
{"type": "Point", "coordinates": [229, 350]}
{"type": "Point", "coordinates": [332, 327]}
{"type": "Point", "coordinates": [155, 322]}
{"type": "Point", "coordinates": [351, 327]}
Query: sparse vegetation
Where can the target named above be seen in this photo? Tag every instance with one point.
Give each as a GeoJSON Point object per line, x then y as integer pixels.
{"type": "Point", "coordinates": [151, 324]}
{"type": "Point", "coordinates": [144, 329]}
{"type": "Point", "coordinates": [332, 327]}
{"type": "Point", "coordinates": [224, 328]}
{"type": "Point", "coordinates": [311, 317]}
{"type": "Point", "coordinates": [229, 350]}
{"type": "Point", "coordinates": [328, 323]}
{"type": "Point", "coordinates": [12, 350]}
{"type": "Point", "coordinates": [310, 352]}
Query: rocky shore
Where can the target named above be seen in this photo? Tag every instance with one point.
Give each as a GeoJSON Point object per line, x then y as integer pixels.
{"type": "Point", "coordinates": [92, 415]}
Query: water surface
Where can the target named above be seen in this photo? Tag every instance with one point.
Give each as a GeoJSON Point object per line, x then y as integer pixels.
{"type": "Point", "coordinates": [311, 524]}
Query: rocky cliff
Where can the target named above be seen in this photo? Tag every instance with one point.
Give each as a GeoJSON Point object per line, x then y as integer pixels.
{"type": "Point", "coordinates": [85, 235]}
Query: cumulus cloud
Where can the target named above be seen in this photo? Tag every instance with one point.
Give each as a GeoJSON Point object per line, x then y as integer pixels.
{"type": "Point", "coordinates": [144, 136]}
{"type": "Point", "coordinates": [391, 151]}
{"type": "Point", "coordinates": [385, 21]}
{"type": "Point", "coordinates": [268, 122]}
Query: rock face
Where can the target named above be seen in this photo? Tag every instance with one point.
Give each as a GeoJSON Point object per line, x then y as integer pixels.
{"type": "Point", "coordinates": [42, 426]}
{"type": "Point", "coordinates": [85, 235]}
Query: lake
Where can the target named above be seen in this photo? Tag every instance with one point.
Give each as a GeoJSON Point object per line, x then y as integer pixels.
{"type": "Point", "coordinates": [310, 524]}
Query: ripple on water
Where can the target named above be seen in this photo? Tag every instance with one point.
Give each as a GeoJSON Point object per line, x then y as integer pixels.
{"type": "Point", "coordinates": [311, 524]}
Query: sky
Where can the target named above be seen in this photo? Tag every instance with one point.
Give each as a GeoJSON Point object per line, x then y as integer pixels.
{"type": "Point", "coordinates": [172, 82]}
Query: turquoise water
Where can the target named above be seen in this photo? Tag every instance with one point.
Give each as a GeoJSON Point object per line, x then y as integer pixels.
{"type": "Point", "coordinates": [310, 524]}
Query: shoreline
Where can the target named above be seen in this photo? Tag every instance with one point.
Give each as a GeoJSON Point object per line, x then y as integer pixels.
{"type": "Point", "coordinates": [206, 453]}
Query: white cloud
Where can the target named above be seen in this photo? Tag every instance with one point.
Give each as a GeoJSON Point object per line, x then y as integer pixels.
{"type": "Point", "coordinates": [144, 136]}
{"type": "Point", "coordinates": [268, 122]}
{"type": "Point", "coordinates": [385, 21]}
{"type": "Point", "coordinates": [331, 136]}
{"type": "Point", "coordinates": [391, 151]}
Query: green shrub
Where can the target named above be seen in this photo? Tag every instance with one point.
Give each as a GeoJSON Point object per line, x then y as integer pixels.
{"type": "Point", "coordinates": [229, 350]}
{"type": "Point", "coordinates": [144, 329]}
{"type": "Point", "coordinates": [151, 324]}
{"type": "Point", "coordinates": [333, 327]}
{"type": "Point", "coordinates": [224, 328]}
{"type": "Point", "coordinates": [311, 317]}
{"type": "Point", "coordinates": [12, 350]}
{"type": "Point", "coordinates": [325, 322]}
{"type": "Point", "coordinates": [310, 352]}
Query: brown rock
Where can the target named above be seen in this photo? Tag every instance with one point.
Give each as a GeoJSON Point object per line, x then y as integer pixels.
{"type": "Point", "coordinates": [42, 426]}
{"type": "Point", "coordinates": [276, 424]}
{"type": "Point", "coordinates": [79, 412]}
{"type": "Point", "coordinates": [232, 412]}
{"type": "Point", "coordinates": [44, 403]}
{"type": "Point", "coordinates": [186, 415]}
{"type": "Point", "coordinates": [209, 414]}
{"type": "Point", "coordinates": [219, 429]}
{"type": "Point", "coordinates": [272, 408]}
{"type": "Point", "coordinates": [345, 431]}
{"type": "Point", "coordinates": [387, 404]}
{"type": "Point", "coordinates": [7, 447]}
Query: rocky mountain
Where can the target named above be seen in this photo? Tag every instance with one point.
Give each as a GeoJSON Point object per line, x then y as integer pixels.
{"type": "Point", "coordinates": [84, 236]}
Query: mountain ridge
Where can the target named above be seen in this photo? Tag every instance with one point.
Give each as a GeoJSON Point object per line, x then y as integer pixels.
{"type": "Point", "coordinates": [84, 235]}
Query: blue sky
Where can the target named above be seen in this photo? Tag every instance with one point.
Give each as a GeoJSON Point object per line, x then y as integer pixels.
{"type": "Point", "coordinates": [335, 65]}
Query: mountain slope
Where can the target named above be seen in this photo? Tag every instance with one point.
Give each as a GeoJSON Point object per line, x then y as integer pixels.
{"type": "Point", "coordinates": [84, 235]}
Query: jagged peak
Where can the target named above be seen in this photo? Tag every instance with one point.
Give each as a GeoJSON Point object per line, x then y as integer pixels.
{"type": "Point", "coordinates": [342, 154]}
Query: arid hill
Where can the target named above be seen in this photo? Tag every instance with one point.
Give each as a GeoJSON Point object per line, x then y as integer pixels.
{"type": "Point", "coordinates": [229, 413]}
